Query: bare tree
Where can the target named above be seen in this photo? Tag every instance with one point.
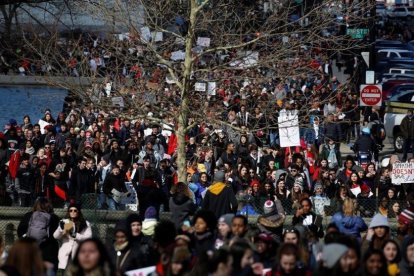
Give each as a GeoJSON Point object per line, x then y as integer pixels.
{"type": "Point", "coordinates": [239, 46]}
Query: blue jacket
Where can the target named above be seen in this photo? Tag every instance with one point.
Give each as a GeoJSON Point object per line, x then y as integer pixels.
{"type": "Point", "coordinates": [350, 225]}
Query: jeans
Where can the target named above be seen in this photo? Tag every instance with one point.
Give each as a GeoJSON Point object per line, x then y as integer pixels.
{"type": "Point", "coordinates": [273, 137]}
{"type": "Point", "coordinates": [113, 205]}
{"type": "Point", "coordinates": [408, 143]}
{"type": "Point", "coordinates": [101, 201]}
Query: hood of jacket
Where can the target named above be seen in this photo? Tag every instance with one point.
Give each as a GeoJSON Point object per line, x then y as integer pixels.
{"type": "Point", "coordinates": [217, 188]}
{"type": "Point", "coordinates": [180, 199]}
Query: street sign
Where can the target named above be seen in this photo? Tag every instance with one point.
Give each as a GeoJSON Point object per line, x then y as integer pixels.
{"type": "Point", "coordinates": [371, 95]}
{"type": "Point", "coordinates": [357, 33]}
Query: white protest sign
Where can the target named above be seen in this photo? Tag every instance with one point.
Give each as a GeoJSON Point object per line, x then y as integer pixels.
{"type": "Point", "coordinates": [247, 59]}
{"type": "Point", "coordinates": [203, 41]}
{"type": "Point", "coordinates": [118, 101]}
{"type": "Point", "coordinates": [402, 173]}
{"type": "Point", "coordinates": [141, 272]}
{"type": "Point", "coordinates": [157, 36]}
{"type": "Point", "coordinates": [178, 55]}
{"type": "Point", "coordinates": [289, 129]}
{"type": "Point", "coordinates": [211, 88]}
{"type": "Point", "coordinates": [146, 33]}
{"type": "Point", "coordinates": [200, 86]}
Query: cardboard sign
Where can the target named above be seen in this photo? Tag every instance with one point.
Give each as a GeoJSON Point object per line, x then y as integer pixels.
{"type": "Point", "coordinates": [153, 85]}
{"type": "Point", "coordinates": [402, 173]}
{"type": "Point", "coordinates": [42, 125]}
{"type": "Point", "coordinates": [200, 86]}
{"type": "Point", "coordinates": [203, 41]}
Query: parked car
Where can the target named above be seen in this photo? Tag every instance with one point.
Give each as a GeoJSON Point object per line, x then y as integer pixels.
{"type": "Point", "coordinates": [392, 76]}
{"type": "Point", "coordinates": [387, 87]}
{"type": "Point", "coordinates": [402, 71]}
{"type": "Point", "coordinates": [383, 54]}
{"type": "Point", "coordinates": [394, 44]}
{"type": "Point", "coordinates": [401, 11]}
{"type": "Point", "coordinates": [395, 111]}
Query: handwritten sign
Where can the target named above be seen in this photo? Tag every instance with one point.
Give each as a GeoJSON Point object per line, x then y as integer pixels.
{"type": "Point", "coordinates": [289, 129]}
{"type": "Point", "coordinates": [118, 101]}
{"type": "Point", "coordinates": [203, 41]}
{"type": "Point", "coordinates": [402, 173]}
{"type": "Point", "coordinates": [200, 86]}
{"type": "Point", "coordinates": [145, 33]}
{"type": "Point", "coordinates": [141, 272]}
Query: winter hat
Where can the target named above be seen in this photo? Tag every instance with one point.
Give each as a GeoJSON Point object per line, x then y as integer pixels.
{"type": "Point", "coordinates": [254, 182]}
{"type": "Point", "coordinates": [73, 204]}
{"type": "Point", "coordinates": [269, 206]}
{"type": "Point", "coordinates": [299, 182]}
{"type": "Point", "coordinates": [227, 219]}
{"type": "Point", "coordinates": [133, 218]}
{"type": "Point", "coordinates": [150, 213]}
{"type": "Point", "coordinates": [121, 226]}
{"type": "Point", "coordinates": [331, 253]}
{"type": "Point", "coordinates": [12, 122]}
{"type": "Point", "coordinates": [317, 185]}
{"type": "Point", "coordinates": [219, 176]}
{"type": "Point", "coordinates": [365, 188]}
{"type": "Point", "coordinates": [407, 217]}
{"type": "Point", "coordinates": [379, 220]}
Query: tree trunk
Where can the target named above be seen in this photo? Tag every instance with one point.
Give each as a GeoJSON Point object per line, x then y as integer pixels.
{"type": "Point", "coordinates": [186, 87]}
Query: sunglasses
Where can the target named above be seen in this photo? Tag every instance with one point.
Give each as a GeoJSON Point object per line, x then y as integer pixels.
{"type": "Point", "coordinates": [290, 231]}
{"type": "Point", "coordinates": [293, 170]}
{"type": "Point", "coordinates": [47, 147]}
{"type": "Point", "coordinates": [73, 211]}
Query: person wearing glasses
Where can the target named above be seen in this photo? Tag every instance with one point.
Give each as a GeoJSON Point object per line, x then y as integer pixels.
{"type": "Point", "coordinates": [71, 231]}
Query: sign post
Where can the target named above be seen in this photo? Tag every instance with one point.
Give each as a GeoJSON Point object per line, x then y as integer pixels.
{"type": "Point", "coordinates": [371, 95]}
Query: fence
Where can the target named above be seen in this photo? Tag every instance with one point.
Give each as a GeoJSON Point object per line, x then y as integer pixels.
{"type": "Point", "coordinates": [103, 221]}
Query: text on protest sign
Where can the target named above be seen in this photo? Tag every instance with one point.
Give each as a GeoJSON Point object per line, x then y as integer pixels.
{"type": "Point", "coordinates": [402, 173]}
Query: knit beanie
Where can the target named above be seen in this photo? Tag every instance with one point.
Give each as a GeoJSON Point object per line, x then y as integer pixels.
{"type": "Point", "coordinates": [133, 218]}
{"type": "Point", "coordinates": [150, 213]}
{"type": "Point", "coordinates": [407, 217]}
{"type": "Point", "coordinates": [331, 253]}
{"type": "Point", "coordinates": [269, 206]}
{"type": "Point", "coordinates": [379, 220]}
{"type": "Point", "coordinates": [219, 176]}
{"type": "Point", "coordinates": [227, 219]}
{"type": "Point", "coordinates": [121, 226]}
{"type": "Point", "coordinates": [299, 182]}
{"type": "Point", "coordinates": [365, 188]}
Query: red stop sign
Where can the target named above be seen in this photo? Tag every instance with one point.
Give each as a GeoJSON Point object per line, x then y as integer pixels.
{"type": "Point", "coordinates": [370, 95]}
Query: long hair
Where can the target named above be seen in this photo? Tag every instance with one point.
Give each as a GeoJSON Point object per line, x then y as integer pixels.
{"type": "Point", "coordinates": [181, 188]}
{"type": "Point", "coordinates": [348, 207]}
{"type": "Point", "coordinates": [238, 249]}
{"type": "Point", "coordinates": [26, 257]}
{"type": "Point", "coordinates": [80, 222]}
{"type": "Point", "coordinates": [371, 252]}
{"type": "Point", "coordinates": [104, 263]}
{"type": "Point", "coordinates": [43, 204]}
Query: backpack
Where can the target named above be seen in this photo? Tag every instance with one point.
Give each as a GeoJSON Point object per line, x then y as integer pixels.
{"type": "Point", "coordinates": [332, 160]}
{"type": "Point", "coordinates": [39, 226]}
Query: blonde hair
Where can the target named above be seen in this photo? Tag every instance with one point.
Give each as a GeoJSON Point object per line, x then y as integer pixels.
{"type": "Point", "coordinates": [348, 207]}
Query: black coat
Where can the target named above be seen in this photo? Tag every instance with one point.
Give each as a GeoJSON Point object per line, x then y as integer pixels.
{"type": "Point", "coordinates": [182, 207]}
{"type": "Point", "coordinates": [220, 199]}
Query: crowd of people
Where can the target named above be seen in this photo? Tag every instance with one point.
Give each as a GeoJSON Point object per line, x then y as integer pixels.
{"type": "Point", "coordinates": [92, 158]}
{"type": "Point", "coordinates": [207, 244]}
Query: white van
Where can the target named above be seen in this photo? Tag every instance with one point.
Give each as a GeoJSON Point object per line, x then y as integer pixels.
{"type": "Point", "coordinates": [402, 71]}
